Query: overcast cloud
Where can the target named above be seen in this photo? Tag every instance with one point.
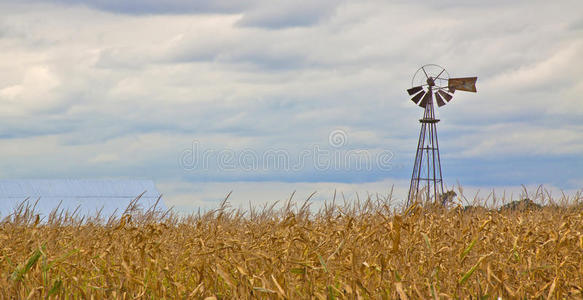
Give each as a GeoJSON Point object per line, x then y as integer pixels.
{"type": "Point", "coordinates": [106, 89]}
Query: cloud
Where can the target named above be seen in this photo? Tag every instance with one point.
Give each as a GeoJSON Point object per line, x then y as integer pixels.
{"type": "Point", "coordinates": [261, 14]}
{"type": "Point", "coordinates": [138, 7]}
{"type": "Point", "coordinates": [519, 139]}
{"type": "Point", "coordinates": [101, 88]}
{"type": "Point", "coordinates": [282, 14]}
{"type": "Point", "coordinates": [32, 89]}
{"type": "Point", "coordinates": [105, 158]}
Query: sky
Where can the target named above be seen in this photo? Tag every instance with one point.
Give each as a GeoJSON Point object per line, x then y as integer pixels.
{"type": "Point", "coordinates": [264, 98]}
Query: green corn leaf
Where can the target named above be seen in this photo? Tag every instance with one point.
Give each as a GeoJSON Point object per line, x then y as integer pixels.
{"type": "Point", "coordinates": [60, 259]}
{"type": "Point", "coordinates": [22, 270]}
{"type": "Point", "coordinates": [427, 243]}
{"type": "Point", "coordinates": [469, 273]}
{"type": "Point", "coordinates": [331, 293]}
{"type": "Point", "coordinates": [468, 249]}
{"type": "Point", "coordinates": [298, 270]}
{"type": "Point", "coordinates": [56, 287]}
{"type": "Point", "coordinates": [323, 263]}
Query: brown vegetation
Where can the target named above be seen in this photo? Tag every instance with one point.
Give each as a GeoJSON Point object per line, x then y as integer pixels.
{"type": "Point", "coordinates": [361, 250]}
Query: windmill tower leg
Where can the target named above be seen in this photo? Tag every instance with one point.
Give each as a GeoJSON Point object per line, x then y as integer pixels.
{"type": "Point", "coordinates": [427, 168]}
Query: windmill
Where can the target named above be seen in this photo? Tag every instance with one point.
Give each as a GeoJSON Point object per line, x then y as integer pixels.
{"type": "Point", "coordinates": [429, 81]}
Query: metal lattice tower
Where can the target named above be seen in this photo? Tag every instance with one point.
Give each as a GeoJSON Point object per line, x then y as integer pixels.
{"type": "Point", "coordinates": [428, 81]}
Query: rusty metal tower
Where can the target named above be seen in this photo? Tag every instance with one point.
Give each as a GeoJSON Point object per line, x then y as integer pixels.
{"type": "Point", "coordinates": [429, 81]}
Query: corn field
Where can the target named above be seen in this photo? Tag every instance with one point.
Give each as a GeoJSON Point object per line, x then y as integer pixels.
{"type": "Point", "coordinates": [359, 250]}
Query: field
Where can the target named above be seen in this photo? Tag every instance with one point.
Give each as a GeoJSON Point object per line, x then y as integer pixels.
{"type": "Point", "coordinates": [359, 250]}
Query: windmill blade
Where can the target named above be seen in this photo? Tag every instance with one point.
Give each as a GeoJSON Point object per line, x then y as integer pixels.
{"type": "Point", "coordinates": [439, 100]}
{"type": "Point", "coordinates": [445, 95]}
{"type": "Point", "coordinates": [414, 90]}
{"type": "Point", "coordinates": [417, 97]}
{"type": "Point", "coordinates": [425, 99]}
{"type": "Point", "coordinates": [467, 84]}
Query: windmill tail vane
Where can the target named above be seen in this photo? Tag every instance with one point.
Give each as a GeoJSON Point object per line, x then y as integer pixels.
{"type": "Point", "coordinates": [429, 82]}
{"type": "Point", "coordinates": [467, 84]}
